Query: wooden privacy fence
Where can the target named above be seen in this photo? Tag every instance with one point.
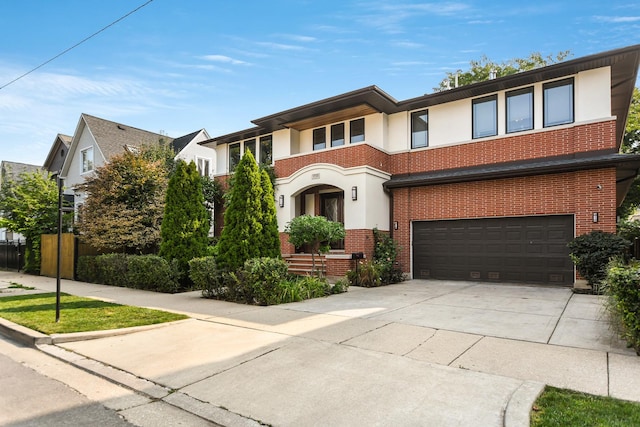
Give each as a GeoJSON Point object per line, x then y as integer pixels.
{"type": "Point", "coordinates": [49, 255]}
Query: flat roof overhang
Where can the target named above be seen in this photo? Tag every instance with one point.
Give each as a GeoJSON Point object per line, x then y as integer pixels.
{"type": "Point", "coordinates": [627, 166]}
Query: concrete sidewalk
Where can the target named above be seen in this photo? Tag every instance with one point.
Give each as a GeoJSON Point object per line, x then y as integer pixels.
{"type": "Point", "coordinates": [416, 353]}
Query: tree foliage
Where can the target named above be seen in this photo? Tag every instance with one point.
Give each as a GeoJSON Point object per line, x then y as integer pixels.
{"type": "Point", "coordinates": [185, 224]}
{"type": "Point", "coordinates": [631, 145]}
{"type": "Point", "coordinates": [480, 70]}
{"type": "Point", "coordinates": [315, 231]}
{"type": "Point", "coordinates": [125, 203]}
{"type": "Point", "coordinates": [241, 237]}
{"type": "Point", "coordinates": [29, 206]}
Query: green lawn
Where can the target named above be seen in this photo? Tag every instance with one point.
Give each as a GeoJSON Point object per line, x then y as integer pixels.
{"type": "Point", "coordinates": [566, 408]}
{"type": "Point", "coordinates": [77, 314]}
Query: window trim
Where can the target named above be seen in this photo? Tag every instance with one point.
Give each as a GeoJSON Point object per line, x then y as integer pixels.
{"type": "Point", "coordinates": [91, 166]}
{"type": "Point", "coordinates": [333, 141]}
{"type": "Point", "coordinates": [491, 98]}
{"type": "Point", "coordinates": [203, 159]}
{"type": "Point", "coordinates": [260, 142]}
{"type": "Point", "coordinates": [320, 145]}
{"type": "Point", "coordinates": [554, 84]}
{"type": "Point", "coordinates": [514, 93]}
{"type": "Point", "coordinates": [352, 136]}
{"type": "Point", "coordinates": [419, 113]}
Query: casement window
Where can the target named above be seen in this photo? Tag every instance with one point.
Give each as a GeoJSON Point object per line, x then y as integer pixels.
{"type": "Point", "coordinates": [519, 110]}
{"type": "Point", "coordinates": [337, 135]}
{"type": "Point", "coordinates": [203, 166]}
{"type": "Point", "coordinates": [485, 116]}
{"type": "Point", "coordinates": [558, 102]}
{"type": "Point", "coordinates": [319, 138]}
{"type": "Point", "coordinates": [234, 156]}
{"type": "Point", "coordinates": [419, 129]}
{"type": "Point", "coordinates": [356, 130]}
{"type": "Point", "coordinates": [86, 160]}
{"type": "Point", "coordinates": [250, 145]}
{"type": "Point", "coordinates": [266, 150]}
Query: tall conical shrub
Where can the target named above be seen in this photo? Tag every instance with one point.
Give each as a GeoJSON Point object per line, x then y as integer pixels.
{"type": "Point", "coordinates": [185, 225]}
{"type": "Point", "coordinates": [241, 237]}
{"type": "Point", "coordinates": [271, 237]}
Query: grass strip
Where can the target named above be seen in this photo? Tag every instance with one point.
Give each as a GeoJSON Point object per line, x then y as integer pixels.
{"type": "Point", "coordinates": [77, 314]}
{"type": "Point", "coordinates": [567, 408]}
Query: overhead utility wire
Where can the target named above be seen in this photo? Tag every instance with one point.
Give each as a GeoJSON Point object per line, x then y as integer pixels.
{"type": "Point", "coordinates": [76, 45]}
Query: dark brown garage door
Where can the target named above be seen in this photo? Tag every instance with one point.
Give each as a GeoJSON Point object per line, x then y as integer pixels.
{"type": "Point", "coordinates": [514, 249]}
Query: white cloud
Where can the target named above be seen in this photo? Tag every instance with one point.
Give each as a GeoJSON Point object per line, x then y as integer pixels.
{"type": "Point", "coordinates": [224, 59]}
{"type": "Point", "coordinates": [617, 19]}
{"type": "Point", "coordinates": [280, 46]}
{"type": "Point", "coordinates": [299, 38]}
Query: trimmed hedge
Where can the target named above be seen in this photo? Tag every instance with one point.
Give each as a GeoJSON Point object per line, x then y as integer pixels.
{"type": "Point", "coordinates": [148, 272]}
{"type": "Point", "coordinates": [592, 252]}
{"type": "Point", "coordinates": [623, 288]}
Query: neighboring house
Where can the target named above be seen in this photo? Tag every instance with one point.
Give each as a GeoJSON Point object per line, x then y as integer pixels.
{"type": "Point", "coordinates": [57, 154]}
{"type": "Point", "coordinates": [97, 140]}
{"type": "Point", "coordinates": [483, 182]}
{"type": "Point", "coordinates": [12, 171]}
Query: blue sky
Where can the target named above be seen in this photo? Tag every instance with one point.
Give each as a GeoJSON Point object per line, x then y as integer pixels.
{"type": "Point", "coordinates": [181, 65]}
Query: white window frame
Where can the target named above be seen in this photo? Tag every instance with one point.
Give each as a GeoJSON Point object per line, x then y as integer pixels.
{"type": "Point", "coordinates": [201, 169]}
{"type": "Point", "coordinates": [86, 164]}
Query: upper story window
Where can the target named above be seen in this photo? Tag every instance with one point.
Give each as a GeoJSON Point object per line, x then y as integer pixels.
{"type": "Point", "coordinates": [558, 102]}
{"type": "Point", "coordinates": [356, 130]}
{"type": "Point", "coordinates": [203, 166]}
{"type": "Point", "coordinates": [519, 110]}
{"type": "Point", "coordinates": [266, 150]}
{"type": "Point", "coordinates": [419, 129]}
{"type": "Point", "coordinates": [234, 156]}
{"type": "Point", "coordinates": [86, 160]}
{"type": "Point", "coordinates": [485, 116]}
{"type": "Point", "coordinates": [319, 138]}
{"type": "Point", "coordinates": [337, 135]}
{"type": "Point", "coordinates": [250, 145]}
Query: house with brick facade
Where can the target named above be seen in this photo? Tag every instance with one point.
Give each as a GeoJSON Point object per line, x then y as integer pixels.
{"type": "Point", "coordinates": [484, 182]}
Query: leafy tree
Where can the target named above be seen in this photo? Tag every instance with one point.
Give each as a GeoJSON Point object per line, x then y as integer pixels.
{"type": "Point", "coordinates": [315, 231]}
{"type": "Point", "coordinates": [29, 206]}
{"type": "Point", "coordinates": [631, 144]}
{"type": "Point", "coordinates": [480, 70]}
{"type": "Point", "coordinates": [271, 237]}
{"type": "Point", "coordinates": [185, 225]}
{"type": "Point", "coordinates": [241, 237]}
{"type": "Point", "coordinates": [125, 204]}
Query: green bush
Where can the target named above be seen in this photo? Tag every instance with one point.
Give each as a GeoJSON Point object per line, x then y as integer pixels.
{"type": "Point", "coordinates": [149, 272]}
{"type": "Point", "coordinates": [384, 256]}
{"type": "Point", "coordinates": [340, 286]}
{"type": "Point", "coordinates": [87, 270]}
{"type": "Point", "coordinates": [623, 288]}
{"type": "Point", "coordinates": [263, 275]}
{"type": "Point", "coordinates": [366, 275]}
{"type": "Point", "coordinates": [206, 276]}
{"type": "Point", "coordinates": [592, 252]}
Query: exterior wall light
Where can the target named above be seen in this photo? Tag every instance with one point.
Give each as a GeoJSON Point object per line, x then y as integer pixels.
{"type": "Point", "coordinates": [595, 217]}
{"type": "Point", "coordinates": [354, 193]}
{"type": "Point", "coordinates": [281, 201]}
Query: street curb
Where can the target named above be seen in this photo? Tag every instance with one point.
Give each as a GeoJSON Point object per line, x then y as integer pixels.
{"type": "Point", "coordinates": [33, 338]}
{"type": "Point", "coordinates": [516, 414]}
{"type": "Point", "coordinates": [23, 334]}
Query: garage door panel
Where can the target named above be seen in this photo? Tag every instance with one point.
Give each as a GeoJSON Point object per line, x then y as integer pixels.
{"type": "Point", "coordinates": [512, 249]}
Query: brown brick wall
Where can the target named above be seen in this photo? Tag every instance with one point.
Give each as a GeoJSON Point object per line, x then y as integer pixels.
{"type": "Point", "coordinates": [565, 193]}
{"type": "Point", "coordinates": [347, 157]}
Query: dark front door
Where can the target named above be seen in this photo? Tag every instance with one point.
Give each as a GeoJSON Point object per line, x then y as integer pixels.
{"type": "Point", "coordinates": [332, 208]}
{"type": "Point", "coordinates": [512, 249]}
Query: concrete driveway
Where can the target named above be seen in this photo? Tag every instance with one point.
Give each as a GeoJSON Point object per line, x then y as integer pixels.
{"type": "Point", "coordinates": [415, 353]}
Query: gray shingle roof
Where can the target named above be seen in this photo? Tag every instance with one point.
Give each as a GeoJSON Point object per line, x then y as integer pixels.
{"type": "Point", "coordinates": [12, 170]}
{"type": "Point", "coordinates": [112, 137]}
{"type": "Point", "coordinates": [178, 144]}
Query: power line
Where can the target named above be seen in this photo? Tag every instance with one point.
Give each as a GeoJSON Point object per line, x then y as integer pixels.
{"type": "Point", "coordinates": [76, 45]}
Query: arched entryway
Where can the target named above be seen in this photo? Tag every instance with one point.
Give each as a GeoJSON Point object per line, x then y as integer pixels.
{"type": "Point", "coordinates": [324, 200]}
